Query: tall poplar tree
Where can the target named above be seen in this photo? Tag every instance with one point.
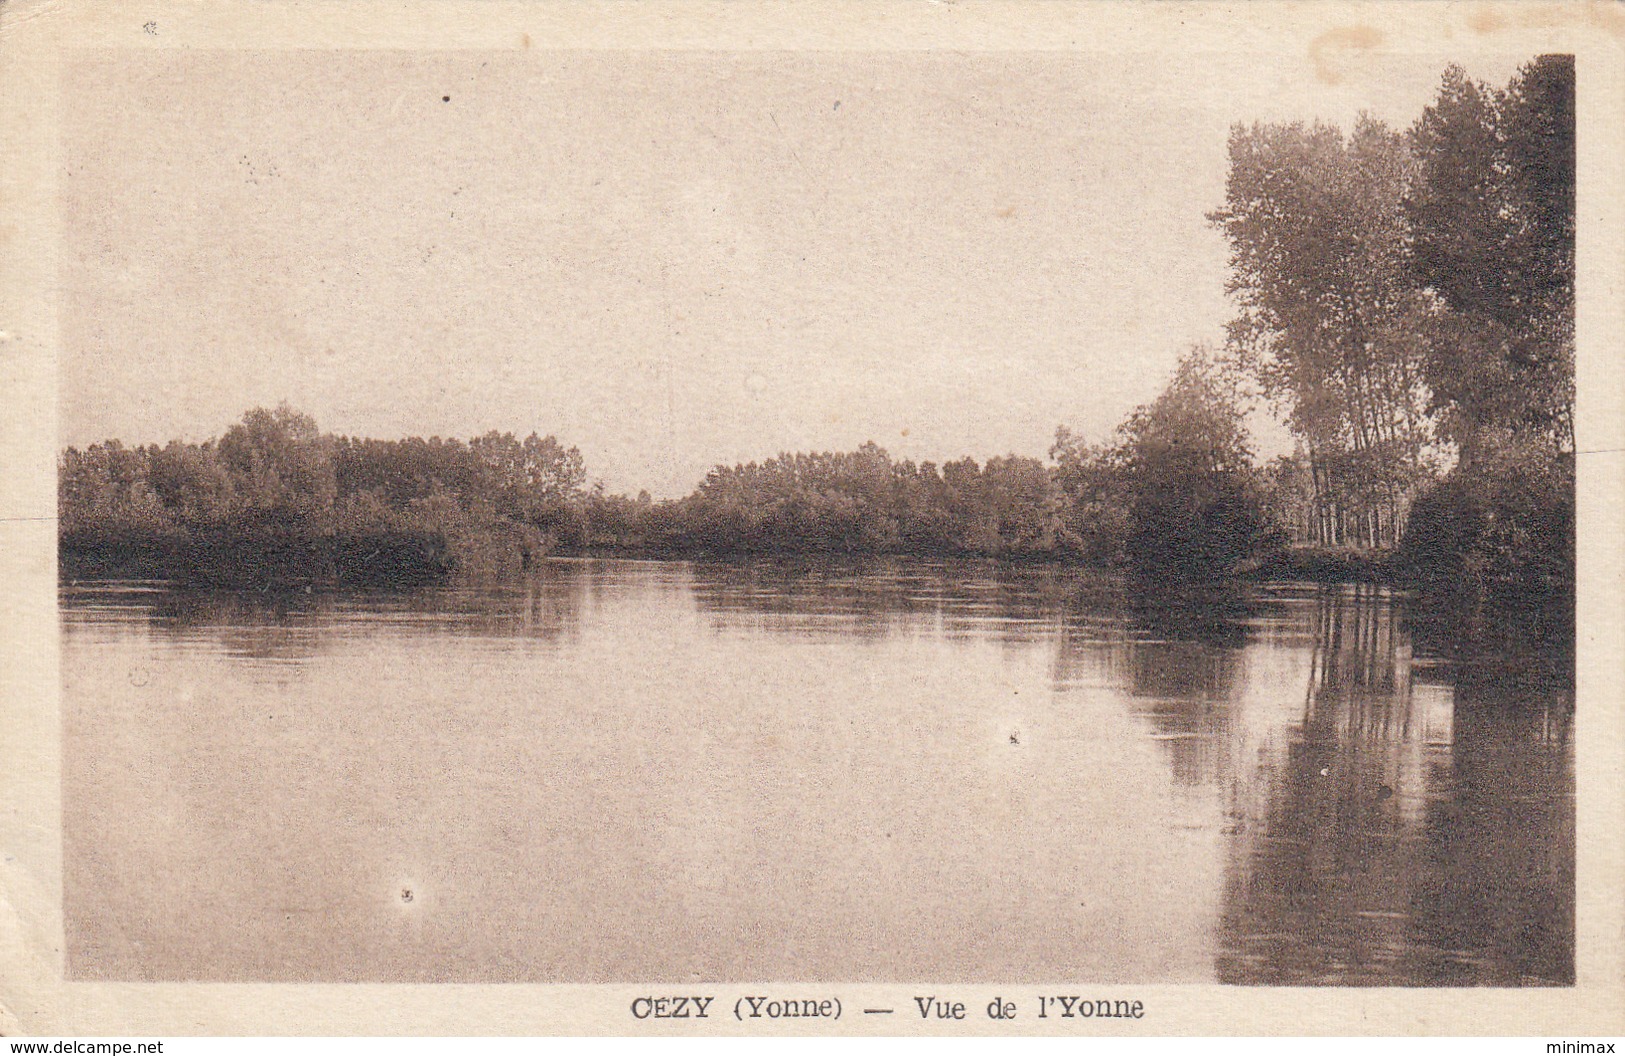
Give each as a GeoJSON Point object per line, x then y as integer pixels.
{"type": "Point", "coordinates": [1329, 313]}
{"type": "Point", "coordinates": [1491, 212]}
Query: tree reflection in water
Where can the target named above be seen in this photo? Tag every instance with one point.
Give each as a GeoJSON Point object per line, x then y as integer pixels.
{"type": "Point", "coordinates": [1416, 828]}
{"type": "Point", "coordinates": [295, 625]}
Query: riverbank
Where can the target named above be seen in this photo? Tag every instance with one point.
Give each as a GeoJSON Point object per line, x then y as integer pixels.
{"type": "Point", "coordinates": [276, 559]}
{"type": "Point", "coordinates": [270, 559]}
{"type": "Point", "coordinates": [1326, 564]}
{"type": "Point", "coordinates": [1485, 630]}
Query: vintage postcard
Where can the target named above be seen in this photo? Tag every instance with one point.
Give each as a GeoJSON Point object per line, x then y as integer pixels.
{"type": "Point", "coordinates": [833, 519]}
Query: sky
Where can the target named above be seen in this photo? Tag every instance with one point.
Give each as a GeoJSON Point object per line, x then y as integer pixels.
{"type": "Point", "coordinates": [671, 260]}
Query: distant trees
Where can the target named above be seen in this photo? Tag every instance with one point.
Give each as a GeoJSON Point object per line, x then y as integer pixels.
{"type": "Point", "coordinates": [1174, 491]}
{"type": "Point", "coordinates": [1095, 510]}
{"type": "Point", "coordinates": [106, 491]}
{"type": "Point", "coordinates": [274, 480]}
{"type": "Point", "coordinates": [864, 502]}
{"type": "Point", "coordinates": [275, 484]}
{"type": "Point", "coordinates": [528, 478]}
{"type": "Point", "coordinates": [1194, 505]}
{"type": "Point", "coordinates": [277, 465]}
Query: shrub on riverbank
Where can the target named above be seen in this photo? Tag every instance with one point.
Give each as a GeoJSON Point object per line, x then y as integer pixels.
{"type": "Point", "coordinates": [1328, 564]}
{"type": "Point", "coordinates": [1176, 495]}
{"type": "Point", "coordinates": [244, 554]}
{"type": "Point", "coordinates": [1500, 527]}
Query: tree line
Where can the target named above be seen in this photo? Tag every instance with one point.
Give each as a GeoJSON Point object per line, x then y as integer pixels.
{"type": "Point", "coordinates": [274, 497]}
{"type": "Point", "coordinates": [1405, 301]}
{"type": "Point", "coordinates": [1178, 471]}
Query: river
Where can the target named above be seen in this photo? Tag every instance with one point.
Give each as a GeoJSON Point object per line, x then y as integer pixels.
{"type": "Point", "coordinates": [886, 770]}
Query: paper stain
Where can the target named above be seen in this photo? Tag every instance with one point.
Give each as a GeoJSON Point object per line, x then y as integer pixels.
{"type": "Point", "coordinates": [1487, 19]}
{"type": "Point", "coordinates": [1484, 20]}
{"type": "Point", "coordinates": [1331, 50]}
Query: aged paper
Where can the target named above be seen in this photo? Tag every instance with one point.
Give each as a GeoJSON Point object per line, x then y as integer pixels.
{"type": "Point", "coordinates": [653, 770]}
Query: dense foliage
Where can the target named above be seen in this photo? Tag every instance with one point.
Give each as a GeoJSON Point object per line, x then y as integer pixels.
{"type": "Point", "coordinates": [1492, 218]}
{"type": "Point", "coordinates": [865, 502]}
{"type": "Point", "coordinates": [275, 498]}
{"type": "Point", "coordinates": [1407, 298]}
{"type": "Point", "coordinates": [1492, 236]}
{"type": "Point", "coordinates": [1329, 315]}
{"type": "Point", "coordinates": [1176, 493]}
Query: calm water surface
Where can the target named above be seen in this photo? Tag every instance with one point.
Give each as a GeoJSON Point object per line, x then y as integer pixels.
{"type": "Point", "coordinates": [890, 771]}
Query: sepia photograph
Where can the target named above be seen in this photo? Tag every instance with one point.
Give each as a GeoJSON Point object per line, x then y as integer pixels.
{"type": "Point", "coordinates": [698, 515]}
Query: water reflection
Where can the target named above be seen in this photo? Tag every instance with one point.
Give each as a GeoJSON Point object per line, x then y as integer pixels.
{"type": "Point", "coordinates": [301, 623]}
{"type": "Point", "coordinates": [1178, 683]}
{"type": "Point", "coordinates": [1070, 777]}
{"type": "Point", "coordinates": [1403, 822]}
{"type": "Point", "coordinates": [1412, 830]}
{"type": "Point", "coordinates": [872, 597]}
